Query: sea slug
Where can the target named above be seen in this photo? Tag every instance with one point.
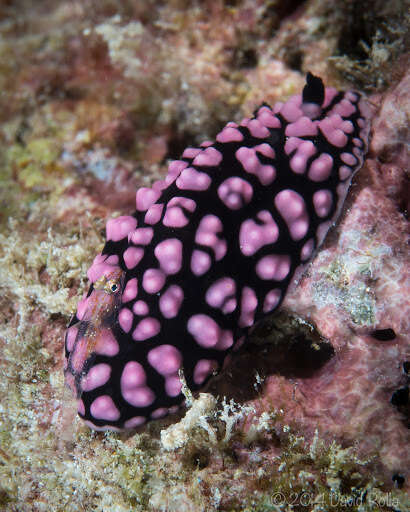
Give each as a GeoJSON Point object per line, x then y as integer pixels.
{"type": "Point", "coordinates": [210, 250]}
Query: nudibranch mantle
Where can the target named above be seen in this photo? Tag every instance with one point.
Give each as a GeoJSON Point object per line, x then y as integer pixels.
{"type": "Point", "coordinates": [209, 251]}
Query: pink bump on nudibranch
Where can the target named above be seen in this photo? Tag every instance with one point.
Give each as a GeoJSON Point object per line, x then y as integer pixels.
{"type": "Point", "coordinates": [203, 369]}
{"type": "Point", "coordinates": [348, 158]}
{"type": "Point", "coordinates": [103, 408]}
{"type": "Point", "coordinates": [235, 192]}
{"type": "Point", "coordinates": [80, 407]}
{"type": "Point", "coordinates": [229, 134]}
{"type": "Point", "coordinates": [257, 129]}
{"type": "Point", "coordinates": [132, 256]}
{"type": "Point", "coordinates": [191, 152]}
{"type": "Point", "coordinates": [344, 172]}
{"type": "Point", "coordinates": [170, 301]}
{"type": "Point", "coordinates": [125, 319]}
{"type": "Point", "coordinates": [191, 179]}
{"type": "Point", "coordinates": [169, 255]}
{"type": "Point", "coordinates": [200, 262]}
{"type": "Point", "coordinates": [253, 236]}
{"type": "Point", "coordinates": [146, 328]}
{"type": "Point", "coordinates": [174, 170]}
{"type": "Point", "coordinates": [307, 250]}
{"type": "Point", "coordinates": [277, 107]}
{"type": "Point", "coordinates": [291, 110]}
{"type": "Point", "coordinates": [146, 197]}
{"type": "Point", "coordinates": [333, 128]}
{"type": "Point", "coordinates": [154, 213]}
{"type": "Point", "coordinates": [133, 385]}
{"type": "Point", "coordinates": [208, 334]}
{"type": "Point", "coordinates": [265, 150]}
{"type": "Point", "coordinates": [159, 185]}
{"type": "Point", "coordinates": [208, 157]}
{"type": "Point", "coordinates": [130, 290]}
{"type": "Point", "coordinates": [292, 207]}
{"type": "Point", "coordinates": [140, 308]}
{"type": "Point", "coordinates": [249, 160]}
{"type": "Point", "coordinates": [273, 267]}
{"type": "Point", "coordinates": [141, 236]}
{"type": "Point", "coordinates": [166, 359]}
{"type": "Point", "coordinates": [299, 160]}
{"type": "Point", "coordinates": [173, 385]}
{"type": "Point", "coordinates": [321, 167]}
{"type": "Point", "coordinates": [221, 295]}
{"type": "Point", "coordinates": [251, 164]}
{"type": "Point", "coordinates": [207, 234]}
{"type": "Point", "coordinates": [302, 127]}
{"type": "Point", "coordinates": [271, 300]}
{"type": "Point", "coordinates": [136, 421]}
{"type": "Point", "coordinates": [249, 303]}
{"type": "Point", "coordinates": [159, 413]}
{"type": "Point", "coordinates": [153, 280]}
{"type": "Point", "coordinates": [97, 376]}
{"type": "Point", "coordinates": [311, 110]}
{"type": "Point", "coordinates": [118, 228]}
{"type": "Point", "coordinates": [344, 108]}
{"type": "Point", "coordinates": [291, 144]}
{"type": "Point", "coordinates": [174, 215]}
{"type": "Point", "coordinates": [204, 329]}
{"type": "Point", "coordinates": [267, 118]}
{"type": "Point", "coordinates": [322, 201]}
{"type": "Point", "coordinates": [330, 93]}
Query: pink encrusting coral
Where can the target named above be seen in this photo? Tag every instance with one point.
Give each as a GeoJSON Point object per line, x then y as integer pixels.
{"type": "Point", "coordinates": [209, 252]}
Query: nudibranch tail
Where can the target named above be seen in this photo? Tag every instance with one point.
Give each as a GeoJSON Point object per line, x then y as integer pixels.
{"type": "Point", "coordinates": [210, 250]}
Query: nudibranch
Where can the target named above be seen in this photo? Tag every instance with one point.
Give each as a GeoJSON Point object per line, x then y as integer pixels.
{"type": "Point", "coordinates": [209, 251]}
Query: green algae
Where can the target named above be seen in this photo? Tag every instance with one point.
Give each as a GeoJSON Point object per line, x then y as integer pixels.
{"type": "Point", "coordinates": [37, 156]}
{"type": "Point", "coordinates": [29, 172]}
